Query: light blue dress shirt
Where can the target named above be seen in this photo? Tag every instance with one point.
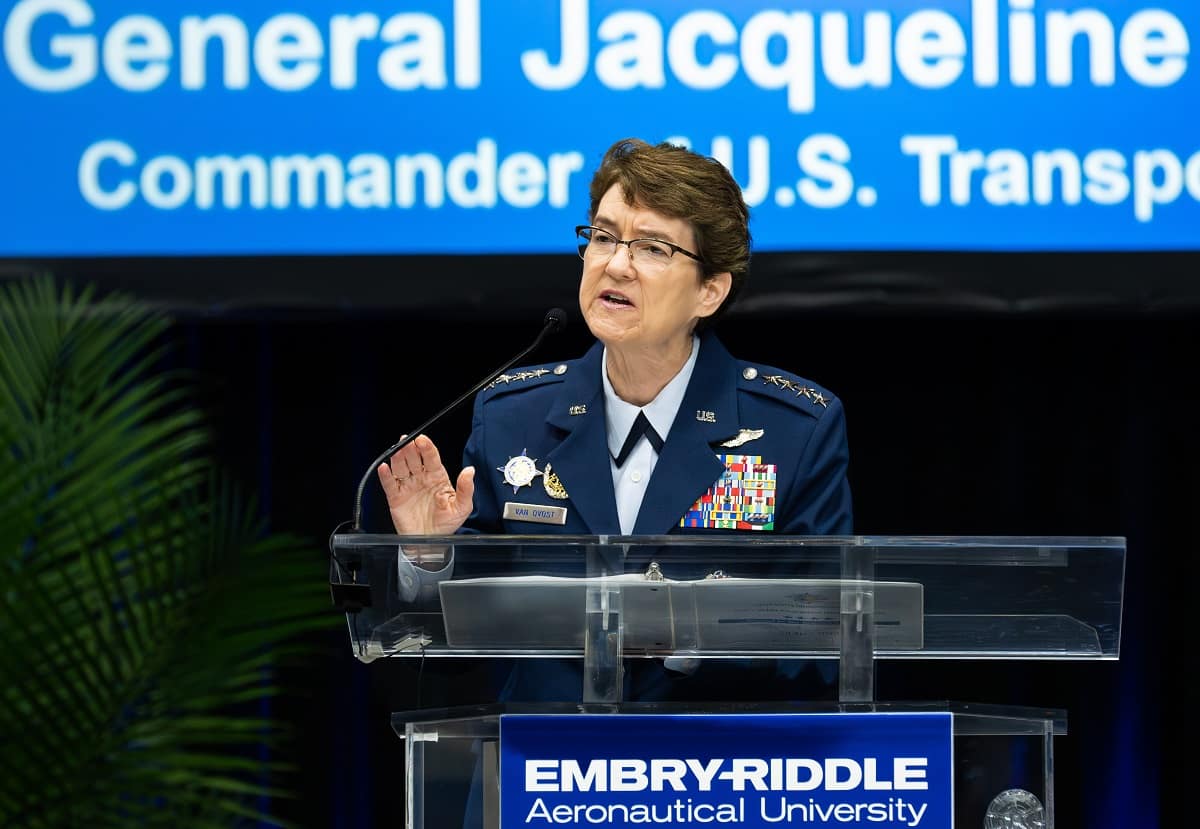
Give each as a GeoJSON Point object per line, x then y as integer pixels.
{"type": "Point", "coordinates": [630, 479]}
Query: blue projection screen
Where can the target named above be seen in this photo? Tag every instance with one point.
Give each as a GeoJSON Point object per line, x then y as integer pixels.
{"type": "Point", "coordinates": [265, 127]}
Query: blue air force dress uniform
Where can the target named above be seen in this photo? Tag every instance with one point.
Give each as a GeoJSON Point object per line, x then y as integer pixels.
{"type": "Point", "coordinates": [750, 449]}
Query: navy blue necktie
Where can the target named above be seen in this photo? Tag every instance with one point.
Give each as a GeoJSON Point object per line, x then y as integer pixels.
{"type": "Point", "coordinates": [641, 426]}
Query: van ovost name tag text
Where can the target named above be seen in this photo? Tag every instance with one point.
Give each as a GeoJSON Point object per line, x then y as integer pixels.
{"type": "Point", "coordinates": [537, 513]}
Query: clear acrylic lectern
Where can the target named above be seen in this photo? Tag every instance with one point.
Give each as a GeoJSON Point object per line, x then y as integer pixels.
{"type": "Point", "coordinates": [605, 600]}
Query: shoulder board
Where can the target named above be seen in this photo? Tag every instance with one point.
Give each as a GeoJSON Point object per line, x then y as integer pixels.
{"type": "Point", "coordinates": [525, 378]}
{"type": "Point", "coordinates": [771, 382]}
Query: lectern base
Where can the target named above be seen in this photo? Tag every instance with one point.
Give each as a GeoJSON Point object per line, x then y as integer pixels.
{"type": "Point", "coordinates": [452, 753]}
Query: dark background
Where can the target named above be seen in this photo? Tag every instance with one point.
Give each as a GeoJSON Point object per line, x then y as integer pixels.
{"type": "Point", "coordinates": [1016, 394]}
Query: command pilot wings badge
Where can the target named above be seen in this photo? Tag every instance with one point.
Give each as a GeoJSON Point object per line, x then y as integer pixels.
{"type": "Point", "coordinates": [743, 436]}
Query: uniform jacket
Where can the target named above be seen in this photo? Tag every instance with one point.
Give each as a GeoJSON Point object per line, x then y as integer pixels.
{"type": "Point", "coordinates": [740, 424]}
{"type": "Point", "coordinates": [780, 428]}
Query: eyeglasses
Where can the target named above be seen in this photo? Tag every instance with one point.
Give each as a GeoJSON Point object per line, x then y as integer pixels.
{"type": "Point", "coordinates": [646, 254]}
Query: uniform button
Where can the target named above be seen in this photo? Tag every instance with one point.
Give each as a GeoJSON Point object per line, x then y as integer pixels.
{"type": "Point", "coordinates": [636, 477]}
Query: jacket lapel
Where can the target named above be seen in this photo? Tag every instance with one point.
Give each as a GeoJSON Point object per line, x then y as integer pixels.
{"type": "Point", "coordinates": [687, 465]}
{"type": "Point", "coordinates": [581, 460]}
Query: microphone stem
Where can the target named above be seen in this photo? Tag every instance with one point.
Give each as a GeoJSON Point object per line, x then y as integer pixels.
{"type": "Point", "coordinates": [409, 438]}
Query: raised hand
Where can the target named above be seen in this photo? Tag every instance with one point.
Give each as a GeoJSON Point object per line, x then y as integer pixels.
{"type": "Point", "coordinates": [420, 497]}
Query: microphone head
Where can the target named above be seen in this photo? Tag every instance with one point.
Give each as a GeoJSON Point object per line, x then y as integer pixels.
{"type": "Point", "coordinates": [556, 320]}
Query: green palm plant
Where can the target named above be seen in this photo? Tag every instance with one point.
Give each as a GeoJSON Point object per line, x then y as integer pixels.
{"type": "Point", "coordinates": [144, 612]}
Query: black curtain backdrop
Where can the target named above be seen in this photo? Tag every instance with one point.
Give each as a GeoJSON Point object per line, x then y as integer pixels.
{"type": "Point", "coordinates": [1020, 417]}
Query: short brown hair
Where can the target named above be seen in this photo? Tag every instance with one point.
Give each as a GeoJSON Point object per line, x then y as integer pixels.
{"type": "Point", "coordinates": [684, 184]}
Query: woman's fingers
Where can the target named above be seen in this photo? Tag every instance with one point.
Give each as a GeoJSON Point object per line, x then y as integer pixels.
{"type": "Point", "coordinates": [427, 452]}
{"type": "Point", "coordinates": [465, 492]}
{"type": "Point", "coordinates": [406, 462]}
{"type": "Point", "coordinates": [387, 479]}
{"type": "Point", "coordinates": [420, 493]}
{"type": "Point", "coordinates": [466, 484]}
{"type": "Point", "coordinates": [417, 460]}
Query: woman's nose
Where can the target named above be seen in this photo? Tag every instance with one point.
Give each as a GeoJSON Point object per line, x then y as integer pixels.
{"type": "Point", "coordinates": [621, 262]}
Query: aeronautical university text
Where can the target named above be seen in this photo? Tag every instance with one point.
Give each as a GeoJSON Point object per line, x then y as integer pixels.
{"type": "Point", "coordinates": [778, 785]}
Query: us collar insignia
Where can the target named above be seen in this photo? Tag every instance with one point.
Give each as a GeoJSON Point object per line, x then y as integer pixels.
{"type": "Point", "coordinates": [520, 471]}
{"type": "Point", "coordinates": [553, 485]}
{"type": "Point", "coordinates": [743, 436]}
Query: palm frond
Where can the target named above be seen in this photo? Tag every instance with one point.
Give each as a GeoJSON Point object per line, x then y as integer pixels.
{"type": "Point", "coordinates": [144, 611]}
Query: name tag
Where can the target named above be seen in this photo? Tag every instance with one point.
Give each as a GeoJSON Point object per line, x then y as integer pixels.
{"type": "Point", "coordinates": [536, 513]}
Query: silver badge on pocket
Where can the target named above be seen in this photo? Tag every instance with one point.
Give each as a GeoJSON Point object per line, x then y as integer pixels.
{"type": "Point", "coordinates": [520, 470]}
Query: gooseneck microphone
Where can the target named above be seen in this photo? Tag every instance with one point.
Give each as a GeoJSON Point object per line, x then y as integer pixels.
{"type": "Point", "coordinates": [554, 321]}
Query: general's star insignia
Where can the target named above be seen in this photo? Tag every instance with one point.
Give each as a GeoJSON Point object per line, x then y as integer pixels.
{"type": "Point", "coordinates": [514, 378]}
{"type": "Point", "coordinates": [503, 378]}
{"type": "Point", "coordinates": [799, 390]}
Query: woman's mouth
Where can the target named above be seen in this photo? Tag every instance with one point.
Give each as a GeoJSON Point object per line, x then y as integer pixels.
{"type": "Point", "coordinates": [614, 298]}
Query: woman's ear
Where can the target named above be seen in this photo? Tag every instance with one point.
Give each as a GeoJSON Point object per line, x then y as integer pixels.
{"type": "Point", "coordinates": [713, 291]}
